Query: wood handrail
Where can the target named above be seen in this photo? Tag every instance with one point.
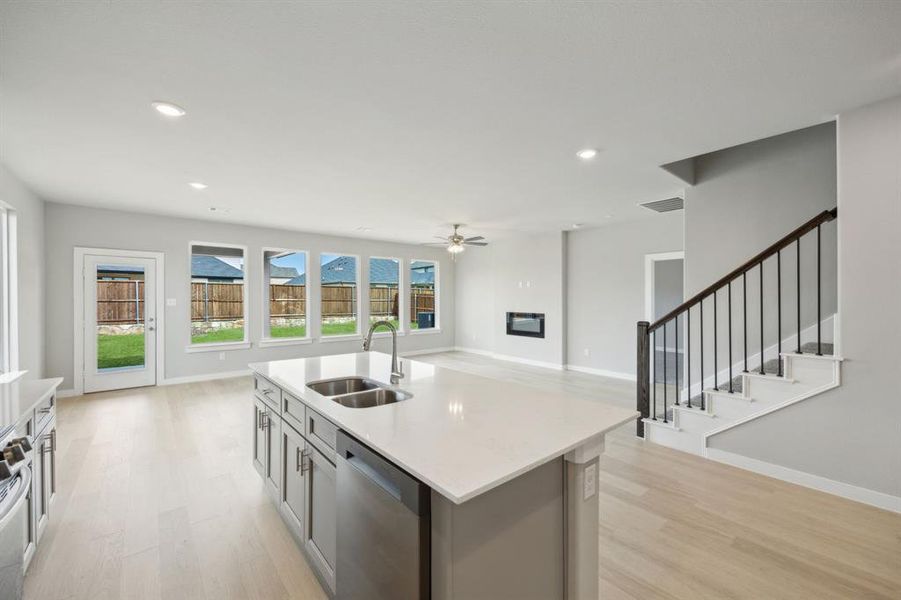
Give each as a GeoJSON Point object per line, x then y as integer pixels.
{"type": "Point", "coordinates": [823, 217]}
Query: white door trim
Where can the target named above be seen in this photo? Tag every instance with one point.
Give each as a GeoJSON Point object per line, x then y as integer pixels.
{"type": "Point", "coordinates": [649, 260]}
{"type": "Point", "coordinates": [78, 314]}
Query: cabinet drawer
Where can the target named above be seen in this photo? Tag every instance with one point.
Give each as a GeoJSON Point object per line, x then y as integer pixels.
{"type": "Point", "coordinates": [268, 392]}
{"type": "Point", "coordinates": [321, 433]}
{"type": "Point", "coordinates": [44, 413]}
{"type": "Point", "coordinates": [293, 411]}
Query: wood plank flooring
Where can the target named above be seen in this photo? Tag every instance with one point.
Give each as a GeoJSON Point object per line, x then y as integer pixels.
{"type": "Point", "coordinates": [158, 499]}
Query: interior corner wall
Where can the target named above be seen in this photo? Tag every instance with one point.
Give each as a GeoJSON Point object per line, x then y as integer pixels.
{"type": "Point", "coordinates": [30, 249]}
{"type": "Point", "coordinates": [851, 434]}
{"type": "Point", "coordinates": [605, 289]}
{"type": "Point", "coordinates": [521, 273]}
{"type": "Point", "coordinates": [68, 226]}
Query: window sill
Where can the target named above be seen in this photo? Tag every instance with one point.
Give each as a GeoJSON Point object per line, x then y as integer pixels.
{"type": "Point", "coordinates": [276, 342]}
{"type": "Point", "coordinates": [430, 331]}
{"type": "Point", "coordinates": [11, 376]}
{"type": "Point", "coordinates": [342, 338]}
{"type": "Point", "coordinates": [223, 347]}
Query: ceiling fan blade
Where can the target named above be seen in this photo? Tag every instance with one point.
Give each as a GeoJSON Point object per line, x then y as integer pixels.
{"type": "Point", "coordinates": [475, 243]}
{"type": "Point", "coordinates": [440, 237]}
{"type": "Point", "coordinates": [442, 244]}
{"type": "Point", "coordinates": [474, 239]}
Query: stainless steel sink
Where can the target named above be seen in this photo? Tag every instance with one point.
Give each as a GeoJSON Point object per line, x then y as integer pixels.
{"type": "Point", "coordinates": [343, 385]}
{"type": "Point", "coordinates": [370, 398]}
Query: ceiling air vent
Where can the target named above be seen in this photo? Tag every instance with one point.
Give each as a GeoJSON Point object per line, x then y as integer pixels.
{"type": "Point", "coordinates": [667, 205]}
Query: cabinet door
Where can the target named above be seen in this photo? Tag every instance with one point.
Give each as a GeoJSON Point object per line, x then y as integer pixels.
{"type": "Point", "coordinates": [293, 481]}
{"type": "Point", "coordinates": [51, 467]}
{"type": "Point", "coordinates": [259, 437]}
{"type": "Point", "coordinates": [321, 531]}
{"type": "Point", "coordinates": [272, 426]}
{"type": "Point", "coordinates": [43, 449]}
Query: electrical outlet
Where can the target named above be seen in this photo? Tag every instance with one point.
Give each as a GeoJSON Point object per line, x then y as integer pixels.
{"type": "Point", "coordinates": [586, 352]}
{"type": "Point", "coordinates": [222, 356]}
{"type": "Point", "coordinates": [170, 301]}
{"type": "Point", "coordinates": [590, 481]}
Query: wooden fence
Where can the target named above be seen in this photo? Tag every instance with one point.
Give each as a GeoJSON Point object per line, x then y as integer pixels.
{"type": "Point", "coordinates": [122, 302]}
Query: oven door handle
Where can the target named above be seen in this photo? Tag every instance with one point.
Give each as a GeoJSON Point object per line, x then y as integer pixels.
{"type": "Point", "coordinates": [11, 505]}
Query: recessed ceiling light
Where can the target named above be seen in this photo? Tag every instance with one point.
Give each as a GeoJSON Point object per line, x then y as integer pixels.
{"type": "Point", "coordinates": [364, 228]}
{"type": "Point", "coordinates": [587, 153]}
{"type": "Point", "coordinates": [168, 109]}
{"type": "Point", "coordinates": [198, 185]}
{"type": "Point", "coordinates": [608, 216]}
{"type": "Point", "coordinates": [577, 225]}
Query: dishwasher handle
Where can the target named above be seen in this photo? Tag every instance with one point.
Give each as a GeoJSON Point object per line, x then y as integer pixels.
{"type": "Point", "coordinates": [402, 486]}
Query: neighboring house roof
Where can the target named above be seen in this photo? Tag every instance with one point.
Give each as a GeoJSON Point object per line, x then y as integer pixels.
{"type": "Point", "coordinates": [277, 271]}
{"type": "Point", "coordinates": [210, 266]}
{"type": "Point", "coordinates": [382, 271]}
{"type": "Point", "coordinates": [119, 269]}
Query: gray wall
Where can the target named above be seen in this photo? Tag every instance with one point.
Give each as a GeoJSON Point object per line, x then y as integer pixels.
{"type": "Point", "coordinates": [68, 226]}
{"type": "Point", "coordinates": [851, 434]}
{"type": "Point", "coordinates": [30, 232]}
{"type": "Point", "coordinates": [744, 199]}
{"type": "Point", "coordinates": [668, 275]}
{"type": "Point", "coordinates": [521, 273]}
{"type": "Point", "coordinates": [605, 288]}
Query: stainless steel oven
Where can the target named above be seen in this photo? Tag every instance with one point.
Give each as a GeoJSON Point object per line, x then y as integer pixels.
{"type": "Point", "coordinates": [15, 520]}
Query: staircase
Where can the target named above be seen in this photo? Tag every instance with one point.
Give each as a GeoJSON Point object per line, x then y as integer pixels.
{"type": "Point", "coordinates": [691, 391]}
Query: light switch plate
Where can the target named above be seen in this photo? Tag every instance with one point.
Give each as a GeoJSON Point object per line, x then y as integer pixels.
{"type": "Point", "coordinates": [170, 301]}
{"type": "Point", "coordinates": [589, 481]}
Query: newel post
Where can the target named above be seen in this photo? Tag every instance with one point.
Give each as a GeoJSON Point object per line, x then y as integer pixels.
{"type": "Point", "coordinates": [643, 377]}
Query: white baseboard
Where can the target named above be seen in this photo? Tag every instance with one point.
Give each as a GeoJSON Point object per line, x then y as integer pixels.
{"type": "Point", "coordinates": [508, 358]}
{"type": "Point", "coordinates": [601, 372]}
{"type": "Point", "coordinates": [205, 377]}
{"type": "Point", "coordinates": [830, 486]}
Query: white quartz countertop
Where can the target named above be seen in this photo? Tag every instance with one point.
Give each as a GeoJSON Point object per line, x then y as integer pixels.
{"type": "Point", "coordinates": [22, 395]}
{"type": "Point", "coordinates": [461, 434]}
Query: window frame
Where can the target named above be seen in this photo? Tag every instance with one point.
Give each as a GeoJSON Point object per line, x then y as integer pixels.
{"type": "Point", "coordinates": [9, 295]}
{"type": "Point", "coordinates": [266, 339]}
{"type": "Point", "coordinates": [220, 346]}
{"type": "Point", "coordinates": [401, 296]}
{"type": "Point", "coordinates": [358, 317]}
{"type": "Point", "coordinates": [437, 327]}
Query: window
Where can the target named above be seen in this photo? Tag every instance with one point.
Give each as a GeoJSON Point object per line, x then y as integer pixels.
{"type": "Point", "coordinates": [218, 310]}
{"type": "Point", "coordinates": [384, 290]}
{"type": "Point", "coordinates": [285, 294]}
{"type": "Point", "coordinates": [338, 284]}
{"type": "Point", "coordinates": [423, 292]}
{"type": "Point", "coordinates": [9, 337]}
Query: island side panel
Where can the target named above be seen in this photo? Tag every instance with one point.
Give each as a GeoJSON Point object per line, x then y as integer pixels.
{"type": "Point", "coordinates": [582, 522]}
{"type": "Point", "coordinates": [505, 543]}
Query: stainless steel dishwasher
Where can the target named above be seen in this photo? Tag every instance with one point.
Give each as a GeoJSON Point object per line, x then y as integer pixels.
{"type": "Point", "coordinates": [383, 528]}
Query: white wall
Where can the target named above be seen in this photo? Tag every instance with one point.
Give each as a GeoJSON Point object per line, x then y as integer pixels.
{"type": "Point", "coordinates": [522, 273]}
{"type": "Point", "coordinates": [851, 434]}
{"type": "Point", "coordinates": [605, 289]}
{"type": "Point", "coordinates": [30, 232]}
{"type": "Point", "coordinates": [68, 226]}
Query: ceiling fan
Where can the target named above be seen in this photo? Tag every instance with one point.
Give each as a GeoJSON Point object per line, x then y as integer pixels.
{"type": "Point", "coordinates": [456, 243]}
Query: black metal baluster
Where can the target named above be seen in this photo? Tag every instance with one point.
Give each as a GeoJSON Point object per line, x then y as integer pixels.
{"type": "Point", "coordinates": [688, 354]}
{"type": "Point", "coordinates": [730, 337]}
{"type": "Point", "coordinates": [716, 384]}
{"type": "Point", "coordinates": [665, 383]}
{"type": "Point", "coordinates": [798, 260]}
{"type": "Point", "coordinates": [819, 298]}
{"type": "Point", "coordinates": [779, 308]}
{"type": "Point", "coordinates": [744, 314]}
{"type": "Point", "coordinates": [762, 371]}
{"type": "Point", "coordinates": [701, 333]}
{"type": "Point", "coordinates": [654, 378]}
{"type": "Point", "coordinates": [676, 354]}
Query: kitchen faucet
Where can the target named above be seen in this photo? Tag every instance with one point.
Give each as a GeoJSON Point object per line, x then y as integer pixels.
{"type": "Point", "coordinates": [396, 370]}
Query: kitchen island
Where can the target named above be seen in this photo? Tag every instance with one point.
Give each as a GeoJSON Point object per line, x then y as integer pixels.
{"type": "Point", "coordinates": [512, 508]}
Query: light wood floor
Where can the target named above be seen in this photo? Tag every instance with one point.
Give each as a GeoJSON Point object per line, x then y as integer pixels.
{"type": "Point", "coordinates": [158, 499]}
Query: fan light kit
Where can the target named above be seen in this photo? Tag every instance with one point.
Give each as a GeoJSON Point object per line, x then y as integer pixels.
{"type": "Point", "coordinates": [455, 243]}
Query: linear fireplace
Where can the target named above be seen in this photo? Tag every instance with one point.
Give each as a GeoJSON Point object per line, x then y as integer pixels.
{"type": "Point", "coordinates": [525, 324]}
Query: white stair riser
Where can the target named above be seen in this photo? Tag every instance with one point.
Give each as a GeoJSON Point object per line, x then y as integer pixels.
{"type": "Point", "coordinates": [731, 409]}
{"type": "Point", "coordinates": [694, 421]}
{"type": "Point", "coordinates": [812, 371]}
{"type": "Point", "coordinates": [768, 391]}
{"type": "Point", "coordinates": [673, 438]}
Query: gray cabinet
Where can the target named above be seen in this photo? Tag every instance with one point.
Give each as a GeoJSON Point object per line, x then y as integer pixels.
{"type": "Point", "coordinates": [44, 477]}
{"type": "Point", "coordinates": [266, 444]}
{"type": "Point", "coordinates": [259, 437]}
{"type": "Point", "coordinates": [294, 466]}
{"type": "Point", "coordinates": [320, 535]}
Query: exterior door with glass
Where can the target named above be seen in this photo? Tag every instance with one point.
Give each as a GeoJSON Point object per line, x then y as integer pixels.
{"type": "Point", "coordinates": [120, 332]}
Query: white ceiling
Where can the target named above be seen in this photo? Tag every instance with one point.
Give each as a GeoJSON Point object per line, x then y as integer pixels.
{"type": "Point", "coordinates": [404, 117]}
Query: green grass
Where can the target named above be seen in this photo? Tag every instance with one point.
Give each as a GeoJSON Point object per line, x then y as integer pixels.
{"type": "Point", "coordinates": [348, 328]}
{"type": "Point", "coordinates": [234, 334]}
{"type": "Point", "coordinates": [115, 351]}
{"type": "Point", "coordinates": [288, 331]}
